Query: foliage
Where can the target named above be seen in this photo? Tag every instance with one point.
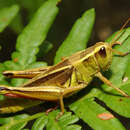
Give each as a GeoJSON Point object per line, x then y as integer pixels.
{"type": "Point", "coordinates": [84, 105]}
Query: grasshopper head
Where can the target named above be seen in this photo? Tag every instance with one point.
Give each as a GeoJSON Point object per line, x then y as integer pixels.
{"type": "Point", "coordinates": [103, 54]}
{"type": "Point", "coordinates": [103, 51]}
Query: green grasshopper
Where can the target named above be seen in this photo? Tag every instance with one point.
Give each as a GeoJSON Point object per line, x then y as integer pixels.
{"type": "Point", "coordinates": [72, 74]}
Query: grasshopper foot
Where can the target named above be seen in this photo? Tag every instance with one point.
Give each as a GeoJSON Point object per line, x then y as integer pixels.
{"type": "Point", "coordinates": [59, 115]}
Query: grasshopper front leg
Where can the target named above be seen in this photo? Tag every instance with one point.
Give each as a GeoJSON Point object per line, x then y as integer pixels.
{"type": "Point", "coordinates": [106, 81]}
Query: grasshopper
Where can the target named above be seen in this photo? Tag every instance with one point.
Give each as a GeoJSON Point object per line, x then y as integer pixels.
{"type": "Point", "coordinates": [72, 74]}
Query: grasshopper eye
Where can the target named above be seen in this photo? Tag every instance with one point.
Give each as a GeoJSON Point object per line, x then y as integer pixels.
{"type": "Point", "coordinates": [102, 52]}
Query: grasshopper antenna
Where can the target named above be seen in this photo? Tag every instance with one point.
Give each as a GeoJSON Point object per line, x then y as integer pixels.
{"type": "Point", "coordinates": [114, 41]}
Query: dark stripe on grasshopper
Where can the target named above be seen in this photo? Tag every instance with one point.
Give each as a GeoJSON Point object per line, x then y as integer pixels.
{"type": "Point", "coordinates": [30, 73]}
{"type": "Point", "coordinates": [40, 95]}
{"type": "Point", "coordinates": [19, 74]}
{"type": "Point", "coordinates": [3, 88]}
{"type": "Point", "coordinates": [7, 74]}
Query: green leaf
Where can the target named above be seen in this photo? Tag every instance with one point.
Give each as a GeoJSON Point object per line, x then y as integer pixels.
{"type": "Point", "coordinates": [68, 119]}
{"type": "Point", "coordinates": [63, 123]}
{"type": "Point", "coordinates": [42, 120]}
{"type": "Point", "coordinates": [6, 16]}
{"type": "Point", "coordinates": [40, 123]}
{"type": "Point", "coordinates": [37, 65]}
{"type": "Point", "coordinates": [5, 3]}
{"type": "Point", "coordinates": [78, 36]}
{"type": "Point", "coordinates": [119, 104]}
{"type": "Point", "coordinates": [44, 48]}
{"type": "Point", "coordinates": [88, 110]}
{"type": "Point", "coordinates": [16, 123]}
{"type": "Point", "coordinates": [11, 120]}
{"type": "Point", "coordinates": [2, 78]}
{"type": "Point", "coordinates": [73, 127]}
{"type": "Point", "coordinates": [11, 64]}
{"type": "Point", "coordinates": [35, 33]}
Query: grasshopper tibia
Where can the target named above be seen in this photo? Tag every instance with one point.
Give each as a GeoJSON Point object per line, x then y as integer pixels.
{"type": "Point", "coordinates": [106, 81]}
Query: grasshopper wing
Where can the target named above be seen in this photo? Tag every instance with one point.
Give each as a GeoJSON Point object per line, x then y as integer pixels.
{"type": "Point", "coordinates": [55, 76]}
